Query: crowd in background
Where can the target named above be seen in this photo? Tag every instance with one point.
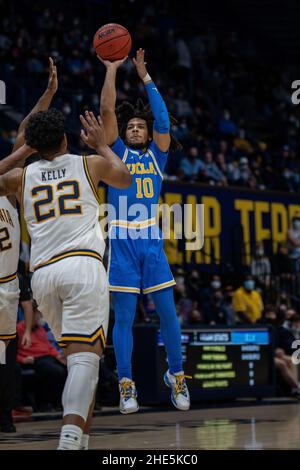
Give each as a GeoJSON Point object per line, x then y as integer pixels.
{"type": "Point", "coordinates": [236, 120]}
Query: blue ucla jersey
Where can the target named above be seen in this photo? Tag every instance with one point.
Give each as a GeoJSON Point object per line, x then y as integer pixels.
{"type": "Point", "coordinates": [140, 264]}
{"type": "Point", "coordinates": [146, 169]}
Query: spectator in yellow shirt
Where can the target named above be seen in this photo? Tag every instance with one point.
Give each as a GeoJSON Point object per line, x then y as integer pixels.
{"type": "Point", "coordinates": [247, 302]}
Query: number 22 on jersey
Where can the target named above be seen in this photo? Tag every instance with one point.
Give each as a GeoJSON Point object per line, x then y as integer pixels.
{"type": "Point", "coordinates": [64, 193]}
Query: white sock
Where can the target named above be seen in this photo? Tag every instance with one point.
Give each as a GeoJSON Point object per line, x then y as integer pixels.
{"type": "Point", "coordinates": [84, 442]}
{"type": "Point", "coordinates": [70, 437]}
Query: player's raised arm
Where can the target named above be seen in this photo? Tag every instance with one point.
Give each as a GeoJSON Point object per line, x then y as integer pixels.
{"type": "Point", "coordinates": [106, 166]}
{"type": "Point", "coordinates": [42, 104]}
{"type": "Point", "coordinates": [15, 159]}
{"type": "Point", "coordinates": [108, 99]}
{"type": "Point", "coordinates": [10, 183]}
{"type": "Point", "coordinates": [161, 126]}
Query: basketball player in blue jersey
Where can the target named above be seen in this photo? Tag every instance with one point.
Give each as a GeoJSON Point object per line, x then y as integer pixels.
{"type": "Point", "coordinates": [140, 136]}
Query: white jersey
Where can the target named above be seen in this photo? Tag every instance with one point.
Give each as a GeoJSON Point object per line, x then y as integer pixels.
{"type": "Point", "coordinates": [61, 210]}
{"type": "Point", "coordinates": [9, 240]}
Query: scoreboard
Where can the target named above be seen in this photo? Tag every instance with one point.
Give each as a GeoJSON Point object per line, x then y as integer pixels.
{"type": "Point", "coordinates": [235, 360]}
{"type": "Point", "coordinates": [224, 363]}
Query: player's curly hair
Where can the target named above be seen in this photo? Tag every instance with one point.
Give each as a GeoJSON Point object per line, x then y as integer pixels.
{"type": "Point", "coordinates": [45, 130]}
{"type": "Point", "coordinates": [127, 111]}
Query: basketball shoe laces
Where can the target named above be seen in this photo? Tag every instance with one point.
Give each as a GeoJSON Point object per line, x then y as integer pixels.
{"type": "Point", "coordinates": [180, 385]}
{"type": "Point", "coordinates": [127, 390]}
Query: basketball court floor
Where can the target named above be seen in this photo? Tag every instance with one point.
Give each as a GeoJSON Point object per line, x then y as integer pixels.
{"type": "Point", "coordinates": [264, 426]}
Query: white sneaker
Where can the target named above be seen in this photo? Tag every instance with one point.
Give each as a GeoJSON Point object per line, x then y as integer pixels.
{"type": "Point", "coordinates": [128, 395]}
{"type": "Point", "coordinates": [180, 395]}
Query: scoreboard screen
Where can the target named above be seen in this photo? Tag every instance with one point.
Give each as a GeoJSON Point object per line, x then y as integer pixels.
{"type": "Point", "coordinates": [233, 360]}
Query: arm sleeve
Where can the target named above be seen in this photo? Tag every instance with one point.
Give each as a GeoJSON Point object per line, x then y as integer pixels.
{"type": "Point", "coordinates": [119, 148]}
{"type": "Point", "coordinates": [159, 109]}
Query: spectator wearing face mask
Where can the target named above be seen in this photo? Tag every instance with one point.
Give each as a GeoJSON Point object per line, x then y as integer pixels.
{"type": "Point", "coordinates": [243, 174]}
{"type": "Point", "coordinates": [247, 302]}
{"type": "Point", "coordinates": [285, 180]}
{"type": "Point", "coordinates": [207, 293]}
{"type": "Point", "coordinates": [261, 267]}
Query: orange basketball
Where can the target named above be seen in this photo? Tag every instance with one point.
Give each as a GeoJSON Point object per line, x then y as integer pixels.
{"type": "Point", "coordinates": [112, 42]}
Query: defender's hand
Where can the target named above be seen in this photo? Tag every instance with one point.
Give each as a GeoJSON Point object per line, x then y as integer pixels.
{"type": "Point", "coordinates": [93, 134]}
{"type": "Point", "coordinates": [140, 63]}
{"type": "Point", "coordinates": [52, 81]}
{"type": "Point", "coordinates": [112, 65]}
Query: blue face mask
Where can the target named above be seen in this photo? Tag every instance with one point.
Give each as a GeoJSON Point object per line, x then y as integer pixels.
{"type": "Point", "coordinates": [249, 284]}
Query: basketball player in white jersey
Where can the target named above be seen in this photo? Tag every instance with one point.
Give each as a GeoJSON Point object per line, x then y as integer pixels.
{"type": "Point", "coordinates": [69, 283]}
{"type": "Point", "coordinates": [9, 258]}
{"type": "Point", "coordinates": [10, 229]}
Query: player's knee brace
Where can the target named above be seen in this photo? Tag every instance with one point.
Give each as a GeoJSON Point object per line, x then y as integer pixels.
{"type": "Point", "coordinates": [83, 370]}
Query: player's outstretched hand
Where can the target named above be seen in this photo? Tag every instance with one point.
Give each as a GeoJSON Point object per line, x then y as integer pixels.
{"type": "Point", "coordinates": [114, 65]}
{"type": "Point", "coordinates": [93, 133]}
{"type": "Point", "coordinates": [52, 81]}
{"type": "Point", "coordinates": [140, 64]}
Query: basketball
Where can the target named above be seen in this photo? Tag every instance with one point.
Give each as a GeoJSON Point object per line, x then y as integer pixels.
{"type": "Point", "coordinates": [112, 42]}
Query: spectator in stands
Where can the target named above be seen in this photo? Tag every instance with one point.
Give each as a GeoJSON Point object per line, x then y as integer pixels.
{"type": "Point", "coordinates": [44, 359]}
{"type": "Point", "coordinates": [206, 294]}
{"type": "Point", "coordinates": [223, 166]}
{"type": "Point", "coordinates": [281, 261]}
{"type": "Point", "coordinates": [247, 302]}
{"type": "Point", "coordinates": [285, 180]}
{"type": "Point", "coordinates": [261, 267]}
{"type": "Point", "coordinates": [214, 311]}
{"type": "Point", "coordinates": [195, 317]}
{"type": "Point", "coordinates": [243, 173]}
{"type": "Point", "coordinates": [210, 172]}
{"type": "Point", "coordinates": [289, 314]}
{"type": "Point", "coordinates": [192, 165]}
{"type": "Point", "coordinates": [227, 126]}
{"type": "Point", "coordinates": [294, 326]}
{"type": "Point", "coordinates": [241, 143]}
{"type": "Point", "coordinates": [228, 306]}
{"type": "Point", "coordinates": [194, 286]}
